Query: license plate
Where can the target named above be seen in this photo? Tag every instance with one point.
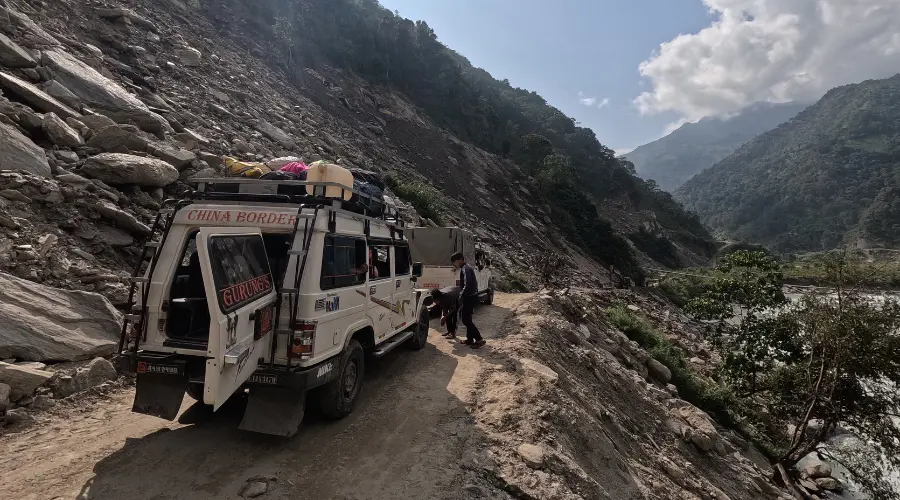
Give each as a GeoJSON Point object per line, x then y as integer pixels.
{"type": "Point", "coordinates": [264, 379]}
{"type": "Point", "coordinates": [145, 367]}
{"type": "Point", "coordinates": [265, 322]}
{"type": "Point", "coordinates": [431, 285]}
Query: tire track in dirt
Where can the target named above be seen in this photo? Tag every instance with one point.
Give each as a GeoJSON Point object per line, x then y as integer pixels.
{"type": "Point", "coordinates": [410, 437]}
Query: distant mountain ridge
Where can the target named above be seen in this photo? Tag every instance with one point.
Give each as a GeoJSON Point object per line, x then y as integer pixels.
{"type": "Point", "coordinates": [694, 147]}
{"type": "Point", "coordinates": [828, 177]}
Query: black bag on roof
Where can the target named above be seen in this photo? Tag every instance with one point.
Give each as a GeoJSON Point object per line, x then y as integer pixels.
{"type": "Point", "coordinates": [278, 175]}
{"type": "Point", "coordinates": [367, 176]}
{"type": "Point", "coordinates": [370, 197]}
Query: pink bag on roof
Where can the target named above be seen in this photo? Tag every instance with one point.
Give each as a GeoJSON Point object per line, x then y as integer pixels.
{"type": "Point", "coordinates": [295, 167]}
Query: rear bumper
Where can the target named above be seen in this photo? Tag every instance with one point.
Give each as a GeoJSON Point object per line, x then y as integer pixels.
{"type": "Point", "coordinates": [300, 379]}
{"type": "Point", "coordinates": [174, 366]}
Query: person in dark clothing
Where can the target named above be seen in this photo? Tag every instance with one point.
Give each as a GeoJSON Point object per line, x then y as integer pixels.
{"type": "Point", "coordinates": [469, 291]}
{"type": "Point", "coordinates": [447, 299]}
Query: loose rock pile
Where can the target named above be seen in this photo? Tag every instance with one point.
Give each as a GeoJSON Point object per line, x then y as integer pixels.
{"type": "Point", "coordinates": [590, 415]}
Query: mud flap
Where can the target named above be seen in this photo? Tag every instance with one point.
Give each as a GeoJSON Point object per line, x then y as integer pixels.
{"type": "Point", "coordinates": [159, 395]}
{"type": "Point", "coordinates": [274, 410]}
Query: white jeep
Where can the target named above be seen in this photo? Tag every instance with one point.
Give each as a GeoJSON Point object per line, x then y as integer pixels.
{"type": "Point", "coordinates": [271, 287]}
{"type": "Point", "coordinates": [433, 246]}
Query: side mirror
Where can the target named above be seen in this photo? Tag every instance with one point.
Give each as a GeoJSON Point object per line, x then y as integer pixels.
{"type": "Point", "coordinates": [417, 269]}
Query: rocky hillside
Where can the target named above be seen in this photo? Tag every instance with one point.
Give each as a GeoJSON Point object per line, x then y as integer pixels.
{"type": "Point", "coordinates": [107, 109]}
{"type": "Point", "coordinates": [826, 178]}
{"type": "Point", "coordinates": [694, 147]}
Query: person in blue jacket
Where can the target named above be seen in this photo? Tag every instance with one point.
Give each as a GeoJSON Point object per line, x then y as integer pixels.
{"type": "Point", "coordinates": [469, 297]}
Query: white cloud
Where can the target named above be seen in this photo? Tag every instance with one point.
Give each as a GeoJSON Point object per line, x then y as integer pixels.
{"type": "Point", "coordinates": [587, 101]}
{"type": "Point", "coordinates": [772, 50]}
{"type": "Point", "coordinates": [590, 101]}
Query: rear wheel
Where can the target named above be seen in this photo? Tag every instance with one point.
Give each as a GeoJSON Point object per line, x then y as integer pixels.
{"type": "Point", "coordinates": [337, 397]}
{"type": "Point", "coordinates": [419, 338]}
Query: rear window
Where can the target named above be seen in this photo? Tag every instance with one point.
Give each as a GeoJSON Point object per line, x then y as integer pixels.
{"type": "Point", "coordinates": [343, 262]}
{"type": "Point", "coordinates": [240, 268]}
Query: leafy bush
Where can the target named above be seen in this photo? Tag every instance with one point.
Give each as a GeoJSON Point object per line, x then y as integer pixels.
{"type": "Point", "coordinates": [513, 283]}
{"type": "Point", "coordinates": [427, 200]}
{"type": "Point", "coordinates": [715, 399]}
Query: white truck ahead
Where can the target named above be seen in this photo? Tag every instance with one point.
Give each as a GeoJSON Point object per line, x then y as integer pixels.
{"type": "Point", "coordinates": [433, 246]}
{"type": "Point", "coordinates": [268, 287]}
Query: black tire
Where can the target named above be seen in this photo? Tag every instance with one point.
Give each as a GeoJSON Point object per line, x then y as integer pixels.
{"type": "Point", "coordinates": [419, 339]}
{"type": "Point", "coordinates": [195, 390]}
{"type": "Point", "coordinates": [489, 295]}
{"type": "Point", "coordinates": [338, 397]}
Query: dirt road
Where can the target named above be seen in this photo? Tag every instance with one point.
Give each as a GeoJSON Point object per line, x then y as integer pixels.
{"type": "Point", "coordinates": [409, 437]}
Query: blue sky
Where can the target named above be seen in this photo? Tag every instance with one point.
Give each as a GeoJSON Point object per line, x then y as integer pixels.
{"type": "Point", "coordinates": [563, 48]}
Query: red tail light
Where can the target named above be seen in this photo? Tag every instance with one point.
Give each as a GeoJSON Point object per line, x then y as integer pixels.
{"type": "Point", "coordinates": [304, 338]}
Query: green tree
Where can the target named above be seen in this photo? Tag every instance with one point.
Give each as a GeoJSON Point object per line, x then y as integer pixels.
{"type": "Point", "coordinates": [828, 360]}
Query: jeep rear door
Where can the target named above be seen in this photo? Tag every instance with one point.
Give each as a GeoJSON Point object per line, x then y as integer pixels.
{"type": "Point", "coordinates": [404, 309]}
{"type": "Point", "coordinates": [241, 294]}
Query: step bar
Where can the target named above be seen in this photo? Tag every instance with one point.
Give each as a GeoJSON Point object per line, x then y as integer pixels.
{"type": "Point", "coordinates": [392, 343]}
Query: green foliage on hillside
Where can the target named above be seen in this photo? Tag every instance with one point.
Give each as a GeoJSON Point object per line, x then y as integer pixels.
{"type": "Point", "coordinates": [427, 200]}
{"type": "Point", "coordinates": [387, 49]}
{"type": "Point", "coordinates": [693, 147]}
{"type": "Point", "coordinates": [823, 179]}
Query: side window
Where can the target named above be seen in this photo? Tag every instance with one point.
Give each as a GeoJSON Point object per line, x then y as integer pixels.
{"type": "Point", "coordinates": [343, 262]}
{"type": "Point", "coordinates": [190, 248]}
{"type": "Point", "coordinates": [401, 260]}
{"type": "Point", "coordinates": [379, 262]}
{"type": "Point", "coordinates": [240, 268]}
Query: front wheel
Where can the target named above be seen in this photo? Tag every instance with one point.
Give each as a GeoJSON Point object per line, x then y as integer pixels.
{"type": "Point", "coordinates": [337, 397]}
{"type": "Point", "coordinates": [419, 338]}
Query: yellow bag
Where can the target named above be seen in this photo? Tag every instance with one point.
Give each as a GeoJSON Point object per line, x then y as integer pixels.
{"type": "Point", "coordinates": [236, 167]}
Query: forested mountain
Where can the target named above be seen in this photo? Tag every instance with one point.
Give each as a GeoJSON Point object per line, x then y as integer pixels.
{"type": "Point", "coordinates": [829, 176]}
{"type": "Point", "coordinates": [573, 168]}
{"type": "Point", "coordinates": [694, 147]}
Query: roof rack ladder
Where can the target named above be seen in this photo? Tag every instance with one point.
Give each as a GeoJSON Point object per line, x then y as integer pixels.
{"type": "Point", "coordinates": [162, 223]}
{"type": "Point", "coordinates": [294, 290]}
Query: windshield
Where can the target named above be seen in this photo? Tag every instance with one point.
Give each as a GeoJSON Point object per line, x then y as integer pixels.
{"type": "Point", "coordinates": [433, 246]}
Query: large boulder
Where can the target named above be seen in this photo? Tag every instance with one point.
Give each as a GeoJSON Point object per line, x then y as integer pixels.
{"type": "Point", "coordinates": [60, 133]}
{"type": "Point", "coordinates": [275, 133]}
{"type": "Point", "coordinates": [22, 380]}
{"type": "Point", "coordinates": [659, 371]}
{"type": "Point", "coordinates": [36, 97]}
{"type": "Point", "coordinates": [177, 157]}
{"type": "Point", "coordinates": [13, 56]}
{"type": "Point", "coordinates": [189, 56]}
{"type": "Point", "coordinates": [17, 152]}
{"type": "Point", "coordinates": [115, 139]}
{"type": "Point", "coordinates": [32, 35]}
{"type": "Point", "coordinates": [98, 91]}
{"type": "Point", "coordinates": [118, 168]}
{"type": "Point", "coordinates": [96, 122]}
{"type": "Point", "coordinates": [41, 323]}
{"type": "Point", "coordinates": [62, 94]}
{"type": "Point", "coordinates": [97, 372]}
{"type": "Point", "coordinates": [123, 219]}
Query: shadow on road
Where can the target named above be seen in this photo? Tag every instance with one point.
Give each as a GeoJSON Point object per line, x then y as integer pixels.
{"type": "Point", "coordinates": [405, 439]}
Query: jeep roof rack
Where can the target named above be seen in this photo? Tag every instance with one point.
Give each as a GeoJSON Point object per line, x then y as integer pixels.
{"type": "Point", "coordinates": [292, 192]}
